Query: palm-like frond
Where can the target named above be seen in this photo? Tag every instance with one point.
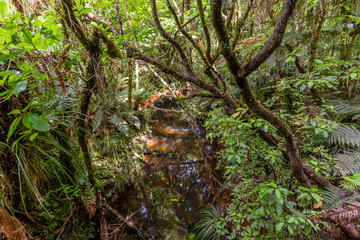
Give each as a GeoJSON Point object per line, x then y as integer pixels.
{"type": "Point", "coordinates": [333, 197]}
{"type": "Point", "coordinates": [206, 226]}
{"type": "Point", "coordinates": [347, 213]}
{"type": "Point", "coordinates": [356, 117]}
{"type": "Point", "coordinates": [345, 135]}
{"type": "Point", "coordinates": [351, 107]}
{"type": "Point", "coordinates": [99, 118]}
{"type": "Point", "coordinates": [341, 137]}
{"type": "Point", "coordinates": [352, 182]}
{"type": "Point", "coordinates": [348, 162]}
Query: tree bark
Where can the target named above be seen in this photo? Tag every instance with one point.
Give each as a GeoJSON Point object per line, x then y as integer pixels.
{"type": "Point", "coordinates": [240, 72]}
{"type": "Point", "coordinates": [93, 48]}
{"type": "Point", "coordinates": [320, 17]}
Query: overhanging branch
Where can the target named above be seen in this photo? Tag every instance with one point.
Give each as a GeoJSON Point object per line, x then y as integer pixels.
{"type": "Point", "coordinates": [169, 38]}
{"type": "Point", "coordinates": [274, 41]}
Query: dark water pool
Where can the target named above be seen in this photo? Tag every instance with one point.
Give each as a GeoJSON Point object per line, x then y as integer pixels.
{"type": "Point", "coordinates": [176, 183]}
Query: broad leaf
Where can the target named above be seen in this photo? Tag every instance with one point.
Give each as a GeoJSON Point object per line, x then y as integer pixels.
{"type": "Point", "coordinates": [39, 122]}
{"type": "Point", "coordinates": [19, 87]}
{"type": "Point", "coordinates": [13, 127]}
{"type": "Point", "coordinates": [3, 8]}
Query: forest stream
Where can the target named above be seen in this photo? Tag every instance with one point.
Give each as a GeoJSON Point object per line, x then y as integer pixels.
{"type": "Point", "coordinates": [177, 182]}
{"type": "Point", "coordinates": [105, 107]}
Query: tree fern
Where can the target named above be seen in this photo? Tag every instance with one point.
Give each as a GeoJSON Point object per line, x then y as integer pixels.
{"type": "Point", "coordinates": [333, 197]}
{"type": "Point", "coordinates": [348, 162]}
{"type": "Point", "coordinates": [345, 135]}
{"type": "Point", "coordinates": [352, 182]}
{"type": "Point", "coordinates": [348, 107]}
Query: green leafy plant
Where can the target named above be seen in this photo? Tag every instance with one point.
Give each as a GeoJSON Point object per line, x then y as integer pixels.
{"type": "Point", "coordinates": [209, 224]}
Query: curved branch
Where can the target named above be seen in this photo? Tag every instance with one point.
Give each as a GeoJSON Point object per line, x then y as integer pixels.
{"type": "Point", "coordinates": [233, 63]}
{"type": "Point", "coordinates": [239, 74]}
{"type": "Point", "coordinates": [239, 25]}
{"type": "Point", "coordinates": [203, 56]}
{"type": "Point", "coordinates": [121, 31]}
{"type": "Point", "coordinates": [112, 50]}
{"type": "Point", "coordinates": [186, 34]}
{"type": "Point", "coordinates": [135, 53]}
{"type": "Point", "coordinates": [170, 45]}
{"type": "Point", "coordinates": [169, 38]}
{"type": "Point", "coordinates": [161, 80]}
{"type": "Point", "coordinates": [231, 14]}
{"type": "Point", "coordinates": [275, 39]}
{"type": "Point", "coordinates": [89, 17]}
{"type": "Point", "coordinates": [93, 48]}
{"type": "Point", "coordinates": [196, 94]}
{"type": "Point", "coordinates": [205, 28]}
{"type": "Point", "coordinates": [74, 25]}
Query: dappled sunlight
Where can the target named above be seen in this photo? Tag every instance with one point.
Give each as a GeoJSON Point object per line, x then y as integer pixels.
{"type": "Point", "coordinates": [175, 177]}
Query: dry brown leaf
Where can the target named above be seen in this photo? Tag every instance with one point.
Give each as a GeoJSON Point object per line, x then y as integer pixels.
{"type": "Point", "coordinates": [156, 96]}
{"type": "Point", "coordinates": [103, 229]}
{"type": "Point", "coordinates": [317, 204]}
{"type": "Point", "coordinates": [90, 207]}
{"type": "Point", "coordinates": [10, 227]}
{"type": "Point", "coordinates": [33, 4]}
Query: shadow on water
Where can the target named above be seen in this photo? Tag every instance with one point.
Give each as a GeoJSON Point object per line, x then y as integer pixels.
{"type": "Point", "coordinates": [176, 181]}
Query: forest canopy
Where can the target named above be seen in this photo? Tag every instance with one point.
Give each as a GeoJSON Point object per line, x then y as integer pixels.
{"type": "Point", "coordinates": [259, 100]}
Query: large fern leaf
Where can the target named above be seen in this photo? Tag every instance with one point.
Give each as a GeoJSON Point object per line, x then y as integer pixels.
{"type": "Point", "coordinates": [352, 182]}
{"type": "Point", "coordinates": [348, 162]}
{"type": "Point", "coordinates": [120, 124]}
{"type": "Point", "coordinates": [348, 107]}
{"type": "Point", "coordinates": [333, 197]}
{"type": "Point", "coordinates": [345, 135]}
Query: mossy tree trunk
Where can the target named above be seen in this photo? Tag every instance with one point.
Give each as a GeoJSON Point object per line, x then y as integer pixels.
{"type": "Point", "coordinates": [93, 48]}
{"type": "Point", "coordinates": [239, 72]}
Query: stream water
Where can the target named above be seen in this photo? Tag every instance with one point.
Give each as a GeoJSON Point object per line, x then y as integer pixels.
{"type": "Point", "coordinates": [176, 181]}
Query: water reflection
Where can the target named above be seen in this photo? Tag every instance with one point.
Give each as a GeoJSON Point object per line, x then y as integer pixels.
{"type": "Point", "coordinates": [175, 186]}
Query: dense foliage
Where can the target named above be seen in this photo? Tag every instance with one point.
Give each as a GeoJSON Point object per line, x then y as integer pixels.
{"type": "Point", "coordinates": [274, 83]}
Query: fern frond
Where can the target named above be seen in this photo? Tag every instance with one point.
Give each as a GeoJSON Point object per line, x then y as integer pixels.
{"type": "Point", "coordinates": [356, 117]}
{"type": "Point", "coordinates": [352, 182]}
{"type": "Point", "coordinates": [349, 212]}
{"type": "Point", "coordinates": [99, 118]}
{"type": "Point", "coordinates": [333, 197]}
{"type": "Point", "coordinates": [345, 135]}
{"type": "Point", "coordinates": [348, 162]}
{"type": "Point", "coordinates": [120, 124]}
{"type": "Point", "coordinates": [347, 106]}
{"type": "Point", "coordinates": [206, 227]}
